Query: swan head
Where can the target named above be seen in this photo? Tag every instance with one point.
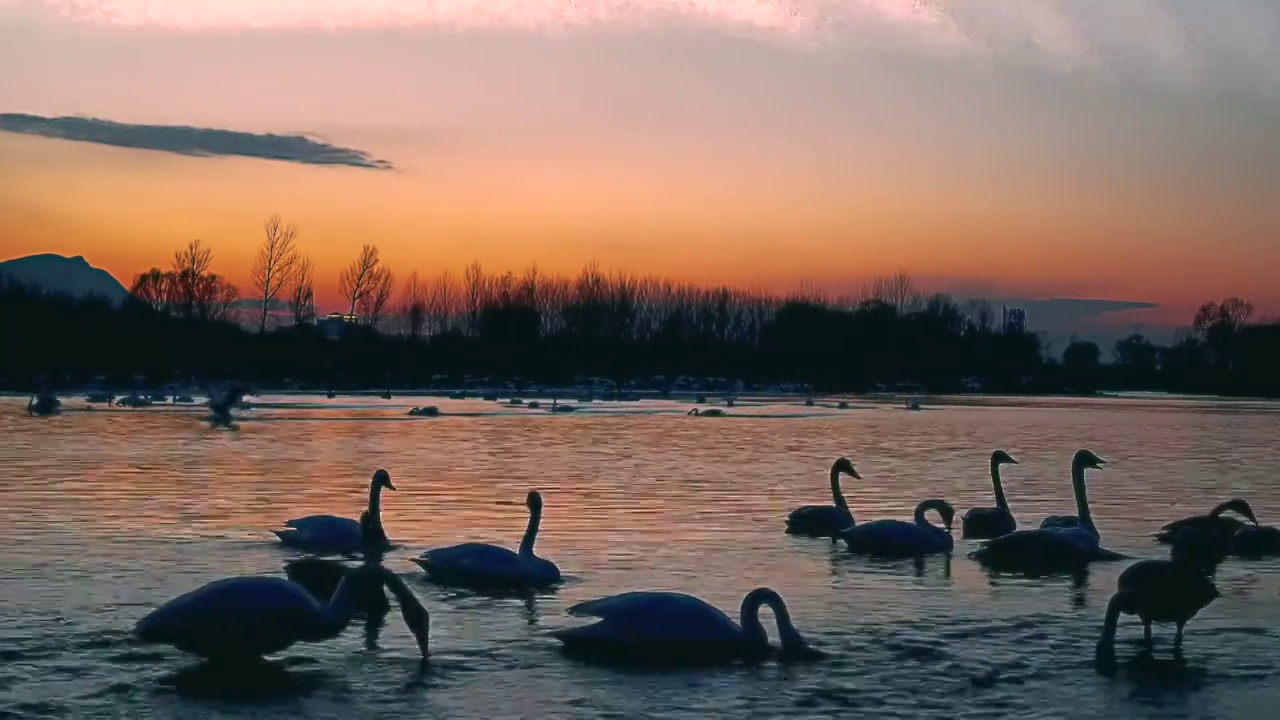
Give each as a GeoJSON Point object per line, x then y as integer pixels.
{"type": "Point", "coordinates": [382, 478]}
{"type": "Point", "coordinates": [845, 465]}
{"type": "Point", "coordinates": [534, 501]}
{"type": "Point", "coordinates": [1001, 457]}
{"type": "Point", "coordinates": [1085, 459]}
{"type": "Point", "coordinates": [944, 509]}
{"type": "Point", "coordinates": [1239, 507]}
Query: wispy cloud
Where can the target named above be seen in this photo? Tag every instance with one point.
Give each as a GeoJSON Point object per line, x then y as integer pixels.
{"type": "Point", "coordinates": [192, 141]}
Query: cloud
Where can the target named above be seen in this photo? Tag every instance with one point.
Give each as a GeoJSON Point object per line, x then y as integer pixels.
{"type": "Point", "coordinates": [192, 141]}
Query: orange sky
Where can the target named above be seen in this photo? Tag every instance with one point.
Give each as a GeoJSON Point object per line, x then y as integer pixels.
{"type": "Point", "coordinates": [699, 154]}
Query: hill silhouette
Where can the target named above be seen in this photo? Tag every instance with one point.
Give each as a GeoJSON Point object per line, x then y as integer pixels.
{"type": "Point", "coordinates": [59, 274]}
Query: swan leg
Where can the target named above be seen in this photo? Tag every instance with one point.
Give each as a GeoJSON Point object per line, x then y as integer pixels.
{"type": "Point", "coordinates": [1146, 632]}
{"type": "Point", "coordinates": [1177, 638]}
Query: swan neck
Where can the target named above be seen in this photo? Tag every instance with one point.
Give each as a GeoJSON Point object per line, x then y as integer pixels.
{"type": "Point", "coordinates": [1082, 498]}
{"type": "Point", "coordinates": [754, 629]}
{"type": "Point", "coordinates": [1110, 620]}
{"type": "Point", "coordinates": [997, 486]}
{"type": "Point", "coordinates": [338, 613]}
{"type": "Point", "coordinates": [531, 532]}
{"type": "Point", "coordinates": [925, 507]}
{"type": "Point", "coordinates": [836, 494]}
{"type": "Point", "coordinates": [375, 500]}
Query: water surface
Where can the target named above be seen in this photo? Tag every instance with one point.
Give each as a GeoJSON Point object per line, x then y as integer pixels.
{"type": "Point", "coordinates": [110, 512]}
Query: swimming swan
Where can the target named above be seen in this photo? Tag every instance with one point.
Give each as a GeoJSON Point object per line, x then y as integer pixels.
{"type": "Point", "coordinates": [1079, 526]}
{"type": "Point", "coordinates": [1214, 522]}
{"type": "Point", "coordinates": [332, 534]}
{"type": "Point", "coordinates": [1171, 590]}
{"type": "Point", "coordinates": [241, 618]}
{"type": "Point", "coordinates": [1256, 541]}
{"type": "Point", "coordinates": [678, 628]}
{"type": "Point", "coordinates": [709, 412]}
{"type": "Point", "coordinates": [825, 520]}
{"type": "Point", "coordinates": [896, 538]}
{"type": "Point", "coordinates": [991, 522]}
{"type": "Point", "coordinates": [490, 566]}
{"type": "Point", "coordinates": [425, 411]}
{"type": "Point", "coordinates": [44, 403]}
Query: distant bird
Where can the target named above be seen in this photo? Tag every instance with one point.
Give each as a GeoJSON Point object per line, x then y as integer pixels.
{"type": "Point", "coordinates": [481, 565]}
{"type": "Point", "coordinates": [897, 538]}
{"type": "Point", "coordinates": [100, 396]}
{"type": "Point", "coordinates": [533, 405]}
{"type": "Point", "coordinates": [336, 535]}
{"type": "Point", "coordinates": [991, 522]}
{"type": "Point", "coordinates": [558, 408]}
{"type": "Point", "coordinates": [1214, 521]}
{"type": "Point", "coordinates": [44, 403]}
{"type": "Point", "coordinates": [825, 520]}
{"type": "Point", "coordinates": [669, 627]}
{"type": "Point", "coordinates": [1173, 590]}
{"type": "Point", "coordinates": [221, 403]}
{"type": "Point", "coordinates": [426, 411]}
{"type": "Point", "coordinates": [242, 618]}
{"type": "Point", "coordinates": [709, 412]}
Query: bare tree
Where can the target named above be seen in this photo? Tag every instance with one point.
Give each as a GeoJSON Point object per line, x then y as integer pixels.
{"type": "Point", "coordinates": [413, 305]}
{"type": "Point", "coordinates": [361, 277]}
{"type": "Point", "coordinates": [375, 302]}
{"type": "Point", "coordinates": [441, 303]}
{"type": "Point", "coordinates": [275, 264]}
{"type": "Point", "coordinates": [982, 317]}
{"type": "Point", "coordinates": [155, 288]}
{"type": "Point", "coordinates": [189, 265]}
{"type": "Point", "coordinates": [302, 295]}
{"type": "Point", "coordinates": [896, 290]}
{"type": "Point", "coordinates": [473, 280]}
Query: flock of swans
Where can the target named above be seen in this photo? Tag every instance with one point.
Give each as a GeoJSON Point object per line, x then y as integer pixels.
{"type": "Point", "coordinates": [243, 618]}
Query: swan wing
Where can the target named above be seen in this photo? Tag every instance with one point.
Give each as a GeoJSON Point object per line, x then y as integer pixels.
{"type": "Point", "coordinates": [254, 612]}
{"type": "Point", "coordinates": [895, 537]}
{"type": "Point", "coordinates": [657, 616]}
{"type": "Point", "coordinates": [1059, 521]}
{"type": "Point", "coordinates": [471, 555]}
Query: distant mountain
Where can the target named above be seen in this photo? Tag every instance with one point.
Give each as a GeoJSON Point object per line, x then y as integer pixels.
{"type": "Point", "coordinates": [72, 275]}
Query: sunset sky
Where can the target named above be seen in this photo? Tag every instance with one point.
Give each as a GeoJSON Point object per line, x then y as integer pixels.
{"type": "Point", "coordinates": [1108, 149]}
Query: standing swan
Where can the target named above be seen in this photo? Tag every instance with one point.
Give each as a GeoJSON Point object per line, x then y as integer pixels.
{"type": "Point", "coordinates": [991, 522]}
{"type": "Point", "coordinates": [825, 520]}
{"type": "Point", "coordinates": [1171, 590]}
{"type": "Point", "coordinates": [895, 538]}
{"type": "Point", "coordinates": [1214, 522]}
{"type": "Point", "coordinates": [677, 628]}
{"type": "Point", "coordinates": [489, 566]}
{"type": "Point", "coordinates": [335, 535]}
{"type": "Point", "coordinates": [242, 618]}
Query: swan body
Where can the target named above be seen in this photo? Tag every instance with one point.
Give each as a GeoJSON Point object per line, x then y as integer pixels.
{"type": "Point", "coordinates": [991, 522]}
{"type": "Point", "coordinates": [133, 401]}
{"type": "Point", "coordinates": [1057, 548]}
{"type": "Point", "coordinates": [709, 412]}
{"type": "Point", "coordinates": [825, 520]}
{"type": "Point", "coordinates": [896, 538]}
{"type": "Point", "coordinates": [674, 627]}
{"type": "Point", "coordinates": [1214, 521]}
{"type": "Point", "coordinates": [221, 403]}
{"type": "Point", "coordinates": [556, 407]}
{"type": "Point", "coordinates": [44, 404]}
{"type": "Point", "coordinates": [1172, 590]}
{"type": "Point", "coordinates": [186, 399]}
{"type": "Point", "coordinates": [321, 577]}
{"type": "Point", "coordinates": [426, 411]}
{"type": "Point", "coordinates": [490, 566]}
{"type": "Point", "coordinates": [241, 618]}
{"type": "Point", "coordinates": [333, 534]}
{"type": "Point", "coordinates": [1253, 541]}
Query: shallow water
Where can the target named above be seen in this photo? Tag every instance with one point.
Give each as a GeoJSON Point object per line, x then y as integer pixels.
{"type": "Point", "coordinates": [108, 513]}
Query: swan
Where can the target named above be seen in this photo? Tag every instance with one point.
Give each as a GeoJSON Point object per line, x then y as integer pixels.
{"type": "Point", "coordinates": [1214, 522]}
{"type": "Point", "coordinates": [491, 566]}
{"type": "Point", "coordinates": [556, 407]}
{"type": "Point", "coordinates": [990, 522]}
{"type": "Point", "coordinates": [242, 618]}
{"type": "Point", "coordinates": [1254, 541]}
{"type": "Point", "coordinates": [533, 405]}
{"type": "Point", "coordinates": [332, 534]}
{"type": "Point", "coordinates": [321, 577]}
{"type": "Point", "coordinates": [1172, 590]}
{"type": "Point", "coordinates": [425, 411]}
{"type": "Point", "coordinates": [674, 627]}
{"type": "Point", "coordinates": [220, 404]}
{"type": "Point", "coordinates": [896, 538]}
{"type": "Point", "coordinates": [1081, 524]}
{"type": "Point", "coordinates": [709, 412]}
{"type": "Point", "coordinates": [825, 520]}
{"type": "Point", "coordinates": [183, 398]}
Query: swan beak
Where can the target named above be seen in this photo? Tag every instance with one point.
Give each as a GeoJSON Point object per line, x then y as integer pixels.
{"type": "Point", "coordinates": [390, 485]}
{"type": "Point", "coordinates": [855, 475]}
{"type": "Point", "coordinates": [1011, 461]}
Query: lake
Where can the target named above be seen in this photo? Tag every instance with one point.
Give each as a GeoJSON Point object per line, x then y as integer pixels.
{"type": "Point", "coordinates": [108, 513]}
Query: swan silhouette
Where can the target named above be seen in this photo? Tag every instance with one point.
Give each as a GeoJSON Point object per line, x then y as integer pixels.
{"type": "Point", "coordinates": [1172, 590]}
{"type": "Point", "coordinates": [481, 565]}
{"type": "Point", "coordinates": [1256, 541]}
{"type": "Point", "coordinates": [1214, 522]}
{"type": "Point", "coordinates": [44, 403]}
{"type": "Point", "coordinates": [896, 538]}
{"type": "Point", "coordinates": [677, 628]}
{"type": "Point", "coordinates": [709, 412]}
{"type": "Point", "coordinates": [425, 411]}
{"type": "Point", "coordinates": [336, 535]}
{"type": "Point", "coordinates": [242, 618]}
{"type": "Point", "coordinates": [825, 520]}
{"type": "Point", "coordinates": [991, 522]}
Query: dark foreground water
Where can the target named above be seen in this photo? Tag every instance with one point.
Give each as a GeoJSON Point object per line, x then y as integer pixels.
{"type": "Point", "coordinates": [108, 513]}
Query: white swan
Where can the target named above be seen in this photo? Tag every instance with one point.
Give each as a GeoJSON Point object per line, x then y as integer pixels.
{"type": "Point", "coordinates": [491, 566]}
{"type": "Point", "coordinates": [242, 618]}
{"type": "Point", "coordinates": [674, 627]}
{"type": "Point", "coordinates": [333, 534]}
{"type": "Point", "coordinates": [825, 520]}
{"type": "Point", "coordinates": [1080, 526]}
{"type": "Point", "coordinates": [991, 522]}
{"type": "Point", "coordinates": [897, 538]}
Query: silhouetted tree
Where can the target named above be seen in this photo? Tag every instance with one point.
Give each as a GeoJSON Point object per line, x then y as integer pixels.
{"type": "Point", "coordinates": [275, 265]}
{"type": "Point", "coordinates": [413, 305]}
{"type": "Point", "coordinates": [361, 278]}
{"type": "Point", "coordinates": [302, 294]}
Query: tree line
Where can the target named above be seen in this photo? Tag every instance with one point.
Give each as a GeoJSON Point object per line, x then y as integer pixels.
{"type": "Point", "coordinates": [189, 322]}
